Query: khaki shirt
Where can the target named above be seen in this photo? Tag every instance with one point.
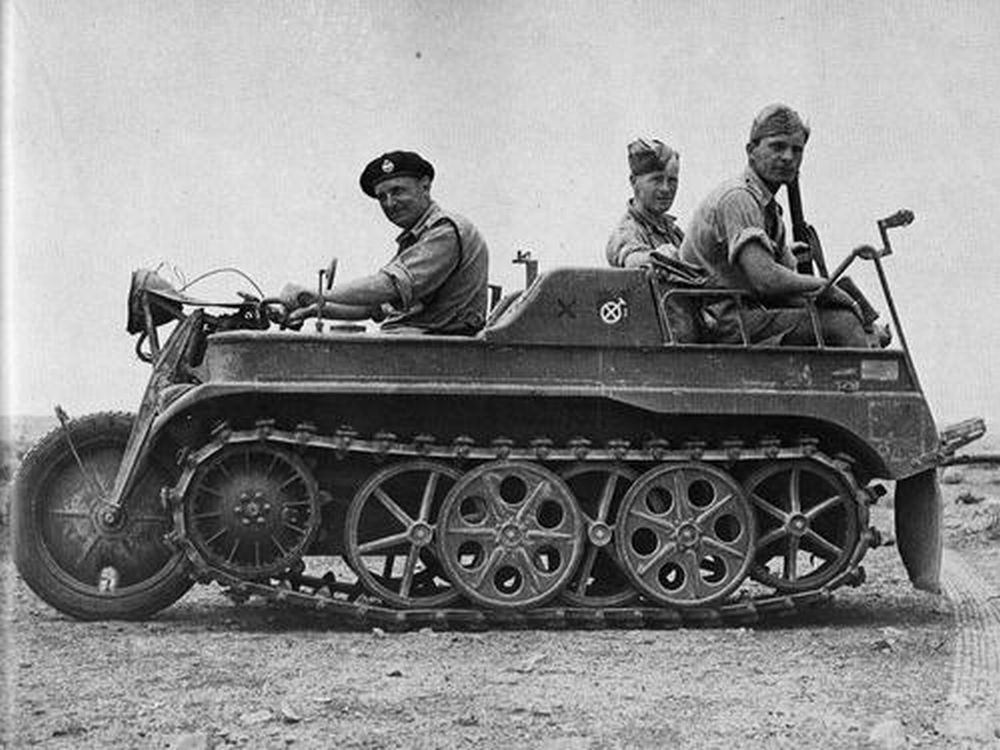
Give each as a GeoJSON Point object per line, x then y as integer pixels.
{"type": "Point", "coordinates": [738, 211]}
{"type": "Point", "coordinates": [637, 231]}
{"type": "Point", "coordinates": [440, 273]}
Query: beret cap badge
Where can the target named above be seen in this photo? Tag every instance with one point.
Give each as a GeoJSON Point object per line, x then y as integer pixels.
{"type": "Point", "coordinates": [394, 164]}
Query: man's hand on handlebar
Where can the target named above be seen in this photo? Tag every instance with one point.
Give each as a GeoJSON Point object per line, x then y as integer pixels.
{"type": "Point", "coordinates": [834, 296]}
{"type": "Point", "coordinates": [336, 311]}
{"type": "Point", "coordinates": [302, 302]}
{"type": "Point", "coordinates": [302, 313]}
{"type": "Point", "coordinates": [294, 296]}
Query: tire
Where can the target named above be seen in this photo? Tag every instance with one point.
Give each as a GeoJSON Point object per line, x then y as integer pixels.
{"type": "Point", "coordinates": [77, 565]}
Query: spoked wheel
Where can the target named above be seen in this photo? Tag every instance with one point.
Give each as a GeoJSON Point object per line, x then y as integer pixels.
{"type": "Point", "coordinates": [686, 534]}
{"type": "Point", "coordinates": [510, 534]}
{"type": "Point", "coordinates": [808, 521]}
{"type": "Point", "coordinates": [390, 532]}
{"type": "Point", "coordinates": [599, 581]}
{"type": "Point", "coordinates": [252, 510]}
{"type": "Point", "coordinates": [75, 551]}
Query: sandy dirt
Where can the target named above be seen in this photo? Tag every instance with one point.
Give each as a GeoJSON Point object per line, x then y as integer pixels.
{"type": "Point", "coordinates": [878, 667]}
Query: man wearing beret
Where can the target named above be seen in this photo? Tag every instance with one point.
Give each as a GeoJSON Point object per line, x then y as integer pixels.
{"type": "Point", "coordinates": [738, 236]}
{"type": "Point", "coordinates": [437, 281]}
{"type": "Point", "coordinates": [646, 225]}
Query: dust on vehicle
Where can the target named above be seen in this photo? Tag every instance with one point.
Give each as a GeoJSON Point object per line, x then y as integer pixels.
{"type": "Point", "coordinates": [576, 463]}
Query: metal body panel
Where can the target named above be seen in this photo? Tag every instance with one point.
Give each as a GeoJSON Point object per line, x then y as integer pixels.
{"type": "Point", "coordinates": [888, 417]}
{"type": "Point", "coordinates": [582, 307]}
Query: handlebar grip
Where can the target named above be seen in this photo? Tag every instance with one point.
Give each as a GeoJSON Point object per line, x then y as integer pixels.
{"type": "Point", "coordinates": [901, 218]}
{"type": "Point", "coordinates": [275, 310]}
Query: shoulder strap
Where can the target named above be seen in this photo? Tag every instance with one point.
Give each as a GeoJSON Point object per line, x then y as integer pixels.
{"type": "Point", "coordinates": [458, 234]}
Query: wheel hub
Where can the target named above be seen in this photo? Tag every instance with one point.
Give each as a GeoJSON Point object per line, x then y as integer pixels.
{"type": "Point", "coordinates": [252, 510]}
{"type": "Point", "coordinates": [110, 518]}
{"type": "Point", "coordinates": [421, 533]}
{"type": "Point", "coordinates": [798, 524]}
{"type": "Point", "coordinates": [599, 534]}
{"type": "Point", "coordinates": [688, 535]}
{"type": "Point", "coordinates": [511, 535]}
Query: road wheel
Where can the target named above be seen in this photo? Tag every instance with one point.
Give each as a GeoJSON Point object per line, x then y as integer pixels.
{"type": "Point", "coordinates": [685, 534]}
{"type": "Point", "coordinates": [807, 518]}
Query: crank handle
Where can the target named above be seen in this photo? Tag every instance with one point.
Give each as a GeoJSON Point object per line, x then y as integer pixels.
{"type": "Point", "coordinates": [903, 217]}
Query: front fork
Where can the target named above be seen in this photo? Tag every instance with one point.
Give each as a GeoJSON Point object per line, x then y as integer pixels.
{"type": "Point", "coordinates": [173, 365]}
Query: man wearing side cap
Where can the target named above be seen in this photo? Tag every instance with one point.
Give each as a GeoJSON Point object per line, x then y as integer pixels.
{"type": "Point", "coordinates": [646, 226]}
{"type": "Point", "coordinates": [738, 236]}
{"type": "Point", "coordinates": [437, 281]}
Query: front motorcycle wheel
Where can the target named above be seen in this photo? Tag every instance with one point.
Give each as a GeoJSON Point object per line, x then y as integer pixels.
{"type": "Point", "coordinates": [75, 552]}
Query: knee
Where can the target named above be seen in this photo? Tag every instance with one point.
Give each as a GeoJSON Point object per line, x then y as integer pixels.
{"type": "Point", "coordinates": [842, 328]}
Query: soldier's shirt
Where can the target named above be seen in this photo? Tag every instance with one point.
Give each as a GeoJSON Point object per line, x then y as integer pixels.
{"type": "Point", "coordinates": [440, 273]}
{"type": "Point", "coordinates": [638, 231]}
{"type": "Point", "coordinates": [737, 212]}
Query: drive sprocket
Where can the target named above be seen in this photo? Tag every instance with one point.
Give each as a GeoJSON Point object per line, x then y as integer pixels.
{"type": "Point", "coordinates": [252, 510]}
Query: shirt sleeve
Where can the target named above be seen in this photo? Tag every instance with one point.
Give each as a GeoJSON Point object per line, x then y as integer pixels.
{"type": "Point", "coordinates": [420, 269]}
{"type": "Point", "coordinates": [786, 257]}
{"type": "Point", "coordinates": [742, 222]}
{"type": "Point", "coordinates": [624, 241]}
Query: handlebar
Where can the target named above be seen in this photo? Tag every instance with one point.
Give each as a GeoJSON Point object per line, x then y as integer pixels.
{"type": "Point", "coordinates": [903, 217]}
{"type": "Point", "coordinates": [275, 310]}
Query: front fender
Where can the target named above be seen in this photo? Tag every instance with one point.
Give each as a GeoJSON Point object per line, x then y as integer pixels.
{"type": "Point", "coordinates": [918, 511]}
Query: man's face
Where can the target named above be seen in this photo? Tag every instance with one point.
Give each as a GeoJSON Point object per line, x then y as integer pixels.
{"type": "Point", "coordinates": [655, 191]}
{"type": "Point", "coordinates": [404, 199]}
{"type": "Point", "coordinates": [776, 158]}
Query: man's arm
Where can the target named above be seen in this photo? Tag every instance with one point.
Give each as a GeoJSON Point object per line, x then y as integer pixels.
{"type": "Point", "coordinates": [337, 311]}
{"type": "Point", "coordinates": [352, 300]}
{"type": "Point", "coordinates": [770, 279]}
{"type": "Point", "coordinates": [633, 252]}
{"type": "Point", "coordinates": [368, 291]}
{"type": "Point", "coordinates": [411, 274]}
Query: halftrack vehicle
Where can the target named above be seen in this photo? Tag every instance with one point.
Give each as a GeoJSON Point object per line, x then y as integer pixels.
{"type": "Point", "coordinates": [577, 462]}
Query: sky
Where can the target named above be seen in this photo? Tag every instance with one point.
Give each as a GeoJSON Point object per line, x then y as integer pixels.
{"type": "Point", "coordinates": [201, 134]}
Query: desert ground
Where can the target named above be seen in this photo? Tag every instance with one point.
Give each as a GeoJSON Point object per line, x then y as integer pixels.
{"type": "Point", "coordinates": [881, 666]}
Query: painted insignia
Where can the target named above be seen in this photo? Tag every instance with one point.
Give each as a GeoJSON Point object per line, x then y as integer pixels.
{"type": "Point", "coordinates": [387, 166]}
{"type": "Point", "coordinates": [566, 308]}
{"type": "Point", "coordinates": [614, 311]}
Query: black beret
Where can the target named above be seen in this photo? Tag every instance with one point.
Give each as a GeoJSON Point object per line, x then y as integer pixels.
{"type": "Point", "coordinates": [394, 164]}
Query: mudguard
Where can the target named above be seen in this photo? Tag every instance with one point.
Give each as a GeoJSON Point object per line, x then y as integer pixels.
{"type": "Point", "coordinates": [918, 511]}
